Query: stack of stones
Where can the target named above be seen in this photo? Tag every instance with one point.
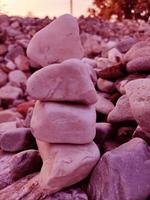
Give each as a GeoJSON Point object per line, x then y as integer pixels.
{"type": "Point", "coordinates": [64, 115]}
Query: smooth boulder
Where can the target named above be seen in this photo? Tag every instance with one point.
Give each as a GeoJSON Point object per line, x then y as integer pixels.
{"type": "Point", "coordinates": [65, 165]}
{"type": "Point", "coordinates": [68, 81]}
{"type": "Point", "coordinates": [63, 123]}
{"type": "Point", "coordinates": [57, 42]}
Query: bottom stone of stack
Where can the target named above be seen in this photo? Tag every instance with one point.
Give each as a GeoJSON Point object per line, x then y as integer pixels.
{"type": "Point", "coordinates": [65, 165]}
{"type": "Point", "coordinates": [63, 123]}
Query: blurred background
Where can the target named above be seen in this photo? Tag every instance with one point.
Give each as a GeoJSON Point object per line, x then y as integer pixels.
{"type": "Point", "coordinates": [107, 9]}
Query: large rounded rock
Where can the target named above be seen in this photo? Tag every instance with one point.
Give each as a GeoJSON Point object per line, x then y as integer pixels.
{"type": "Point", "coordinates": [63, 123]}
{"type": "Point", "coordinates": [68, 81]}
{"type": "Point", "coordinates": [65, 165]}
{"type": "Point", "coordinates": [122, 173]}
{"type": "Point", "coordinates": [56, 42]}
{"type": "Point", "coordinates": [138, 92]}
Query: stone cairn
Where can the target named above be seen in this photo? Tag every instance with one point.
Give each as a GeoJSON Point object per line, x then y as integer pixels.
{"type": "Point", "coordinates": [64, 115]}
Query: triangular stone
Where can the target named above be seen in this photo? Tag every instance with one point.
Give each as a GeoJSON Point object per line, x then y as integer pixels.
{"type": "Point", "coordinates": [57, 42]}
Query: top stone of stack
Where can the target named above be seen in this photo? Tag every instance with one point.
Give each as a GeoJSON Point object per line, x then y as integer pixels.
{"type": "Point", "coordinates": [56, 42]}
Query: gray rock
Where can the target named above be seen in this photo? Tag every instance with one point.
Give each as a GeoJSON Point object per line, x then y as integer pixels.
{"type": "Point", "coordinates": [17, 139]}
{"type": "Point", "coordinates": [122, 173]}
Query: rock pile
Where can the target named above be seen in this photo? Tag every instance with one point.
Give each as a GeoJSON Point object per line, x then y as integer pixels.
{"type": "Point", "coordinates": [115, 62]}
{"type": "Point", "coordinates": [64, 117]}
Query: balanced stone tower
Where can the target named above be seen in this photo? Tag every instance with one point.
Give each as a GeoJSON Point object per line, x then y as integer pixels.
{"type": "Point", "coordinates": [64, 116]}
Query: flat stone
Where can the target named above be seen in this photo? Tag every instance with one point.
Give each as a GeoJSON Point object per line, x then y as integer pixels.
{"type": "Point", "coordinates": [8, 116]}
{"type": "Point", "coordinates": [61, 82]}
{"type": "Point", "coordinates": [122, 173]}
{"type": "Point", "coordinates": [139, 64]}
{"type": "Point", "coordinates": [15, 140]}
{"type": "Point", "coordinates": [10, 92]}
{"type": "Point", "coordinates": [29, 188]}
{"type": "Point", "coordinates": [63, 123]}
{"type": "Point", "coordinates": [121, 112]}
{"type": "Point", "coordinates": [65, 165]}
{"type": "Point", "coordinates": [16, 166]}
{"type": "Point", "coordinates": [139, 98]}
{"type": "Point", "coordinates": [56, 49]}
{"type": "Point", "coordinates": [103, 105]}
{"type": "Point", "coordinates": [17, 78]}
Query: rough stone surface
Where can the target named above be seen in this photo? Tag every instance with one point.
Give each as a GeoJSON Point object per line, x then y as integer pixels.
{"type": "Point", "coordinates": [77, 162]}
{"type": "Point", "coordinates": [61, 82]}
{"type": "Point", "coordinates": [122, 173]}
{"type": "Point", "coordinates": [63, 123]}
{"type": "Point", "coordinates": [14, 167]}
{"type": "Point", "coordinates": [56, 49]}
{"type": "Point", "coordinates": [29, 189]}
{"type": "Point", "coordinates": [17, 139]}
{"type": "Point", "coordinates": [139, 99]}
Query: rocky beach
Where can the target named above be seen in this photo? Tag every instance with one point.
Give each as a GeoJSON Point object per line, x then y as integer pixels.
{"type": "Point", "coordinates": [74, 109]}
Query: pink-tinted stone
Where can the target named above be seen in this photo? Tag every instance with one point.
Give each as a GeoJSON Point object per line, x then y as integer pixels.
{"type": "Point", "coordinates": [103, 105]}
{"type": "Point", "coordinates": [17, 139]}
{"type": "Point", "coordinates": [105, 85]}
{"type": "Point", "coordinates": [103, 130]}
{"type": "Point", "coordinates": [22, 62]}
{"type": "Point", "coordinates": [63, 123]}
{"type": "Point", "coordinates": [121, 112]}
{"type": "Point", "coordinates": [17, 78]}
{"type": "Point", "coordinates": [65, 165]}
{"type": "Point", "coordinates": [122, 173]}
{"type": "Point", "coordinates": [138, 92]}
{"type": "Point", "coordinates": [115, 56]}
{"type": "Point", "coordinates": [45, 48]}
{"type": "Point", "coordinates": [16, 166]}
{"type": "Point", "coordinates": [10, 92]}
{"type": "Point", "coordinates": [134, 53]}
{"type": "Point", "coordinates": [3, 78]}
{"type": "Point", "coordinates": [8, 116]}
{"type": "Point", "coordinates": [139, 64]}
{"type": "Point", "coordinates": [3, 49]}
{"type": "Point", "coordinates": [68, 81]}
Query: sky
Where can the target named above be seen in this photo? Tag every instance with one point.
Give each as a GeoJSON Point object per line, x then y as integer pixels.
{"type": "Point", "coordinates": [42, 8]}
